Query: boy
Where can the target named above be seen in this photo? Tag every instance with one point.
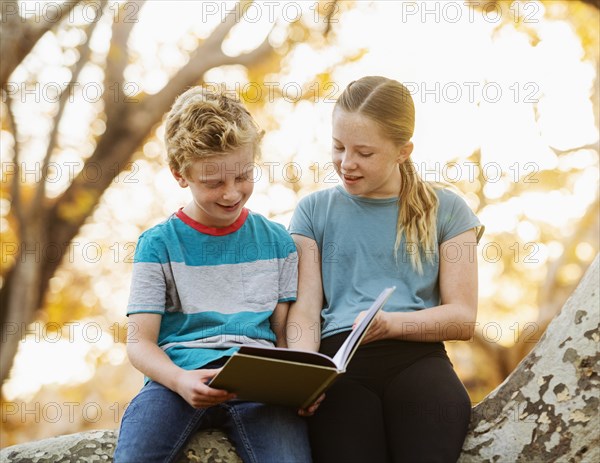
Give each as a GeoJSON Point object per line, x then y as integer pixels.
{"type": "Point", "coordinates": [211, 277]}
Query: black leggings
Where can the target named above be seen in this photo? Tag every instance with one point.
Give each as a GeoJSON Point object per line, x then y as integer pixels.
{"type": "Point", "coordinates": [399, 401]}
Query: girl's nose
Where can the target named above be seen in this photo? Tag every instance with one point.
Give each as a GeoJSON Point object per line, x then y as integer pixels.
{"type": "Point", "coordinates": [347, 161]}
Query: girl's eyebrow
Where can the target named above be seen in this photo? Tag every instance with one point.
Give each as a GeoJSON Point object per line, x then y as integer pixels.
{"type": "Point", "coordinates": [356, 146]}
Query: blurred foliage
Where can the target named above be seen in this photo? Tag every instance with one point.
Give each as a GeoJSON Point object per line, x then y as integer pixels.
{"type": "Point", "coordinates": [91, 286]}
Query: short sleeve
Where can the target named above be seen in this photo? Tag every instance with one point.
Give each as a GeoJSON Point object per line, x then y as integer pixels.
{"type": "Point", "coordinates": [148, 283]}
{"type": "Point", "coordinates": [455, 217]}
{"type": "Point", "coordinates": [302, 223]}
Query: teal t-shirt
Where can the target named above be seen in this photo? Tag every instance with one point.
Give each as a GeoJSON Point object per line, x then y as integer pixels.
{"type": "Point", "coordinates": [214, 288]}
{"type": "Point", "coordinates": [356, 237]}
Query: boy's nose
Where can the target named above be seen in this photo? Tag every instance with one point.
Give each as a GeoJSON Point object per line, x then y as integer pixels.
{"type": "Point", "coordinates": [230, 193]}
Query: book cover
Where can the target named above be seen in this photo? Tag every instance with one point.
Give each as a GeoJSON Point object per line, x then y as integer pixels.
{"type": "Point", "coordinates": [290, 377]}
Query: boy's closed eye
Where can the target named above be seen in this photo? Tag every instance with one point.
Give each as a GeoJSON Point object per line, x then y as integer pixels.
{"type": "Point", "coordinates": [212, 184]}
{"type": "Point", "coordinates": [245, 176]}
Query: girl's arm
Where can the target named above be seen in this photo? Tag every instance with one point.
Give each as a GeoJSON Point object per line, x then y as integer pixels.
{"type": "Point", "coordinates": [304, 320]}
{"type": "Point", "coordinates": [146, 356]}
{"type": "Point", "coordinates": [278, 320]}
{"type": "Point", "coordinates": [454, 318]}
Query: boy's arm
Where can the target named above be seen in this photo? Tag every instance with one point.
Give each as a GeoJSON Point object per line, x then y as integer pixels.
{"type": "Point", "coordinates": [146, 356]}
{"type": "Point", "coordinates": [304, 319]}
{"type": "Point", "coordinates": [278, 321]}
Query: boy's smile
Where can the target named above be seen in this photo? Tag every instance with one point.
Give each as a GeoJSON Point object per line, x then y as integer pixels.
{"type": "Point", "coordinates": [220, 187]}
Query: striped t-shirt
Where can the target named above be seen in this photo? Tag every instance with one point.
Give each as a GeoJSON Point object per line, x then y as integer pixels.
{"type": "Point", "coordinates": [214, 287]}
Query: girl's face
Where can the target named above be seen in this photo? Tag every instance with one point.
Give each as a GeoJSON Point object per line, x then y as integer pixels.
{"type": "Point", "coordinates": [365, 159]}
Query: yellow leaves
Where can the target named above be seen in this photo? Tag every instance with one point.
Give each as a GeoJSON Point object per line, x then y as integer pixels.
{"type": "Point", "coordinates": [116, 53]}
{"type": "Point", "coordinates": [357, 56]}
{"type": "Point", "coordinates": [570, 274]}
{"type": "Point", "coordinates": [79, 206]}
{"type": "Point", "coordinates": [584, 19]}
{"type": "Point", "coordinates": [63, 307]}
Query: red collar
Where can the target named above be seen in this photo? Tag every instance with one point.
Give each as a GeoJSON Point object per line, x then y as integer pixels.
{"type": "Point", "coordinates": [235, 226]}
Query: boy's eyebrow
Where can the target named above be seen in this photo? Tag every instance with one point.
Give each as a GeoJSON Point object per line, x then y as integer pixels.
{"type": "Point", "coordinates": [217, 176]}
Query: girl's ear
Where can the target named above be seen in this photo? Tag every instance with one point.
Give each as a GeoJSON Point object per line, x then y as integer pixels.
{"type": "Point", "coordinates": [183, 183]}
{"type": "Point", "coordinates": [405, 151]}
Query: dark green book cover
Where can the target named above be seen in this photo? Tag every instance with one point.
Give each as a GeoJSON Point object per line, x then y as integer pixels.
{"type": "Point", "coordinates": [290, 377]}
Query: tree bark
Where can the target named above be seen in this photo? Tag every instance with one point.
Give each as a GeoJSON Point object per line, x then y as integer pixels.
{"type": "Point", "coordinates": [546, 410]}
{"type": "Point", "coordinates": [209, 446]}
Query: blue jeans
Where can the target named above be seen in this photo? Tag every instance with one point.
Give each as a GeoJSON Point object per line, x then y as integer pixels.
{"type": "Point", "coordinates": [158, 422]}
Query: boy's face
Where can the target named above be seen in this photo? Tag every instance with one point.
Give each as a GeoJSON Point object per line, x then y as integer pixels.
{"type": "Point", "coordinates": [220, 187]}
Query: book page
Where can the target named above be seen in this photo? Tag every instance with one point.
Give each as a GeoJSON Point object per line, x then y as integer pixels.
{"type": "Point", "coordinates": [343, 355]}
{"type": "Point", "coordinates": [290, 355]}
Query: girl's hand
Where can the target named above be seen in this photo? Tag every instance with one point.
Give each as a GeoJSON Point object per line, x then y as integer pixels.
{"type": "Point", "coordinates": [310, 411]}
{"type": "Point", "coordinates": [192, 386]}
{"type": "Point", "coordinates": [379, 328]}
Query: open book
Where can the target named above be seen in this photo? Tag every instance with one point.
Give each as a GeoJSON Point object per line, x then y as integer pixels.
{"type": "Point", "coordinates": [290, 377]}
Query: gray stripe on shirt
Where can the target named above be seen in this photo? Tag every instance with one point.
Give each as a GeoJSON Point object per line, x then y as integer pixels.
{"type": "Point", "coordinates": [229, 288]}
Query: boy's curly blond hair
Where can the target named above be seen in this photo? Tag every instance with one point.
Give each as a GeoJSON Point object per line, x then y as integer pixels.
{"type": "Point", "coordinates": [203, 123]}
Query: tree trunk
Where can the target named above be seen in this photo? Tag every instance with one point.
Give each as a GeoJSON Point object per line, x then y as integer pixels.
{"type": "Point", "coordinates": [546, 410]}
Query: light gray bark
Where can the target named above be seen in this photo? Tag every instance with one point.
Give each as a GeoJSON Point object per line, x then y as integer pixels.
{"type": "Point", "coordinates": [545, 411]}
{"type": "Point", "coordinates": [98, 446]}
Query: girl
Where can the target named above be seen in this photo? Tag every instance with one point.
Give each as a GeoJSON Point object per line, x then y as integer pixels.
{"type": "Point", "coordinates": [400, 399]}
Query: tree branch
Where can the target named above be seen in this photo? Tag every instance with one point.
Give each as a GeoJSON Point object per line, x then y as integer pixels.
{"type": "Point", "coordinates": [19, 34]}
{"type": "Point", "coordinates": [84, 53]}
{"type": "Point", "coordinates": [15, 190]}
{"type": "Point", "coordinates": [594, 3]}
{"type": "Point", "coordinates": [116, 64]}
{"type": "Point", "coordinates": [333, 6]}
{"type": "Point", "coordinates": [546, 410]}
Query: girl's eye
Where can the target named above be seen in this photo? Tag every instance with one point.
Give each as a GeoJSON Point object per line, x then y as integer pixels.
{"type": "Point", "coordinates": [212, 184]}
{"type": "Point", "coordinates": [338, 148]}
{"type": "Point", "coordinates": [366, 155]}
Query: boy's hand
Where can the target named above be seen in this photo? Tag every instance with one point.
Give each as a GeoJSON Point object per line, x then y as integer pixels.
{"type": "Point", "coordinates": [191, 385]}
{"type": "Point", "coordinates": [379, 326]}
{"type": "Point", "coordinates": [310, 411]}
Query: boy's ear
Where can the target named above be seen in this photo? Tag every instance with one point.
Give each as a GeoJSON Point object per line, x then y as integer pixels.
{"type": "Point", "coordinates": [405, 151]}
{"type": "Point", "coordinates": [183, 183]}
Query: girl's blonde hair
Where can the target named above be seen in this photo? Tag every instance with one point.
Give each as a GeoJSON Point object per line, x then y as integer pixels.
{"type": "Point", "coordinates": [204, 123]}
{"type": "Point", "coordinates": [389, 104]}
